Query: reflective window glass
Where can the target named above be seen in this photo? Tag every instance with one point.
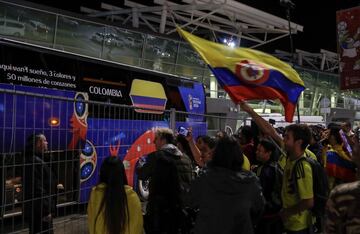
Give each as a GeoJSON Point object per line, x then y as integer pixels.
{"type": "Point", "coordinates": [187, 56]}
{"type": "Point", "coordinates": [28, 25]}
{"type": "Point", "coordinates": [161, 50]}
{"type": "Point", "coordinates": [80, 37]}
{"type": "Point", "coordinates": [122, 46]}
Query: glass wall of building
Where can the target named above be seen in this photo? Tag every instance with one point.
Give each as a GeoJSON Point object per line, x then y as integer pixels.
{"type": "Point", "coordinates": [27, 24]}
{"type": "Point", "coordinates": [123, 46]}
{"type": "Point", "coordinates": [80, 37]}
{"type": "Point", "coordinates": [160, 54]}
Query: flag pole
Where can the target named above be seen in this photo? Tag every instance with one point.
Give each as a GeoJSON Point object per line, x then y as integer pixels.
{"type": "Point", "coordinates": [288, 4]}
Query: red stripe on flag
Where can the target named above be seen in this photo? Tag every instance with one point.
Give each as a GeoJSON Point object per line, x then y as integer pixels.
{"type": "Point", "coordinates": [345, 174]}
{"type": "Point", "coordinates": [242, 93]}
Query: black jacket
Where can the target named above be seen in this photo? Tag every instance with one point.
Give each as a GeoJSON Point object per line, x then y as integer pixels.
{"type": "Point", "coordinates": [182, 162]}
{"type": "Point", "coordinates": [40, 187]}
{"type": "Point", "coordinates": [229, 202]}
{"type": "Point", "coordinates": [163, 216]}
{"type": "Point", "coordinates": [270, 175]}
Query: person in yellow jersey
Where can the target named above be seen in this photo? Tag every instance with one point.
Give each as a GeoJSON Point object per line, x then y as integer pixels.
{"type": "Point", "coordinates": [298, 201]}
{"type": "Point", "coordinates": [113, 206]}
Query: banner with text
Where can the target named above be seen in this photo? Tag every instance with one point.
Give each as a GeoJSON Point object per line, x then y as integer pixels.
{"type": "Point", "coordinates": [348, 32]}
{"type": "Point", "coordinates": [194, 100]}
{"type": "Point", "coordinates": [22, 66]}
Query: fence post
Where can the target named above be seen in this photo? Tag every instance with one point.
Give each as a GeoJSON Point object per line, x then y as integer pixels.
{"type": "Point", "coordinates": [172, 123]}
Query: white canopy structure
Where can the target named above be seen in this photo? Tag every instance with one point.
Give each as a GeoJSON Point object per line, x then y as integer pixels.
{"type": "Point", "coordinates": [325, 60]}
{"type": "Point", "coordinates": [231, 18]}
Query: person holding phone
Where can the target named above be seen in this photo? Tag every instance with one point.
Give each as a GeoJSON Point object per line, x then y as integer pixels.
{"type": "Point", "coordinates": [202, 155]}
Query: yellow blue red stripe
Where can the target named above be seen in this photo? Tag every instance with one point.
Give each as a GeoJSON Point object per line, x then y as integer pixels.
{"type": "Point", "coordinates": [149, 100]}
{"type": "Point", "coordinates": [148, 94]}
{"type": "Point", "coordinates": [340, 168]}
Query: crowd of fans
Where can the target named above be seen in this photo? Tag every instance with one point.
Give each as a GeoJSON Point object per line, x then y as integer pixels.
{"type": "Point", "coordinates": [259, 180]}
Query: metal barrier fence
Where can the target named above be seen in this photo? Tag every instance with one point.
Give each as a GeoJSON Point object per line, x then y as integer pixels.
{"type": "Point", "coordinates": [80, 134]}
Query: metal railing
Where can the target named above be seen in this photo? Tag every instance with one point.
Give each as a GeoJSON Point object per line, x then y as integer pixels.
{"type": "Point", "coordinates": [80, 134]}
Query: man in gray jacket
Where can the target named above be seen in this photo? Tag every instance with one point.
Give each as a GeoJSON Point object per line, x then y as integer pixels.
{"type": "Point", "coordinates": [165, 144]}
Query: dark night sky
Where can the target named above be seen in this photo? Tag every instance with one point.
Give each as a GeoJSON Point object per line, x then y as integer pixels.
{"type": "Point", "coordinates": [317, 16]}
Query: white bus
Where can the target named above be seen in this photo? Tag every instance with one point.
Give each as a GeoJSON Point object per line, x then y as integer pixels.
{"type": "Point", "coordinates": [278, 120]}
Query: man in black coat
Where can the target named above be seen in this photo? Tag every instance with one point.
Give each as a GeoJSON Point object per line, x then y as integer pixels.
{"type": "Point", "coordinates": [40, 186]}
{"type": "Point", "coordinates": [165, 145]}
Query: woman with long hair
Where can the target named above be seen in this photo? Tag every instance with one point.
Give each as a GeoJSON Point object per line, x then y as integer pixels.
{"type": "Point", "coordinates": [114, 208]}
{"type": "Point", "coordinates": [228, 197]}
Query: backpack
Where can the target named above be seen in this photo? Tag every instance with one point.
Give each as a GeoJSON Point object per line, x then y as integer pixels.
{"type": "Point", "coordinates": [320, 185]}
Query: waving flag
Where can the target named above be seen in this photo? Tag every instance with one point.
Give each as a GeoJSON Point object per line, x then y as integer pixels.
{"type": "Point", "coordinates": [247, 74]}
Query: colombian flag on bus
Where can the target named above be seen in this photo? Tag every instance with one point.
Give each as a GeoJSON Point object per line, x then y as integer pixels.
{"type": "Point", "coordinates": [247, 74]}
{"type": "Point", "coordinates": [148, 94]}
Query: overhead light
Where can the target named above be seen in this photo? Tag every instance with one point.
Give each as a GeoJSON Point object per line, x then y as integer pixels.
{"type": "Point", "coordinates": [231, 44]}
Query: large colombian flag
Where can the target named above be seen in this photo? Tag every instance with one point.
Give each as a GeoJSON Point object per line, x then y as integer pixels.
{"type": "Point", "coordinates": [247, 74]}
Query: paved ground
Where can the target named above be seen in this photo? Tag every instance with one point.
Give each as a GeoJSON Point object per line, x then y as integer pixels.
{"type": "Point", "coordinates": [73, 224]}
